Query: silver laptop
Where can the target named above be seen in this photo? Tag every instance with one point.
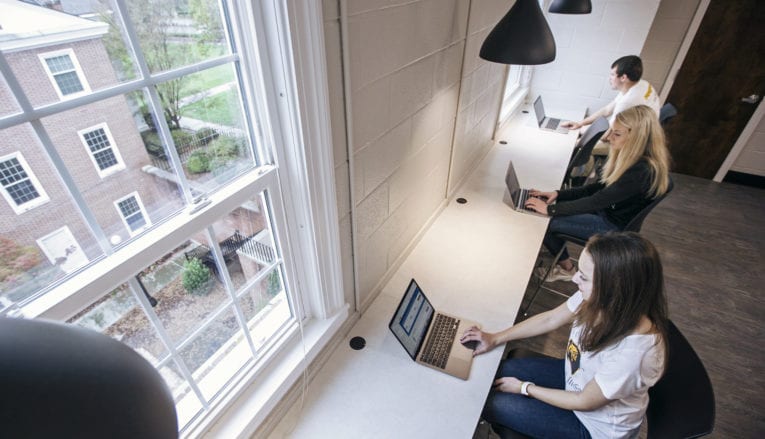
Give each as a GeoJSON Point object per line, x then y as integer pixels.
{"type": "Point", "coordinates": [431, 338]}
{"type": "Point", "coordinates": [515, 195]}
{"type": "Point", "coordinates": [544, 122]}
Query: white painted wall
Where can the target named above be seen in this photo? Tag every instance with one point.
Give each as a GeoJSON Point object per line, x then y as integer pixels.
{"type": "Point", "coordinates": [416, 111]}
{"type": "Point", "coordinates": [587, 45]}
{"type": "Point", "coordinates": [664, 40]}
{"type": "Point", "coordinates": [751, 160]}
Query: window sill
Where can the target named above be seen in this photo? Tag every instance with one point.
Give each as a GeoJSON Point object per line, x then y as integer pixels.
{"type": "Point", "coordinates": [249, 405]}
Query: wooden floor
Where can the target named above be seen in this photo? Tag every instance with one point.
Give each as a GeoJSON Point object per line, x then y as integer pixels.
{"type": "Point", "coordinates": [711, 237]}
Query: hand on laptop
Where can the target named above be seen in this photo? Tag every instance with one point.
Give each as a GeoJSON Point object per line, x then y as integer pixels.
{"type": "Point", "coordinates": [570, 124]}
{"type": "Point", "coordinates": [548, 197]}
{"type": "Point", "coordinates": [485, 340]}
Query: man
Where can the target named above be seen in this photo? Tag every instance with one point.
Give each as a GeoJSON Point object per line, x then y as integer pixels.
{"type": "Point", "coordinates": [624, 78]}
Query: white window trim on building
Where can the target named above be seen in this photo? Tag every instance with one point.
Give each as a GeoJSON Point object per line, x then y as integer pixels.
{"type": "Point", "coordinates": [141, 209]}
{"type": "Point", "coordinates": [40, 200]}
{"type": "Point", "coordinates": [120, 165]}
{"type": "Point", "coordinates": [77, 69]}
{"type": "Point", "coordinates": [73, 248]}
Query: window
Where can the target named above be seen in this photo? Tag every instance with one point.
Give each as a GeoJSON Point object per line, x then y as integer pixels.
{"type": "Point", "coordinates": [183, 254]}
{"type": "Point", "coordinates": [132, 213]}
{"type": "Point", "coordinates": [516, 88]}
{"type": "Point", "coordinates": [20, 186]}
{"type": "Point", "coordinates": [64, 72]}
{"type": "Point", "coordinates": [105, 156]}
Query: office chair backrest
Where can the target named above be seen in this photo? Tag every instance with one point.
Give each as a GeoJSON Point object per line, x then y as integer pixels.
{"type": "Point", "coordinates": [587, 142]}
{"type": "Point", "coordinates": [682, 402]}
{"type": "Point", "coordinates": [61, 380]}
{"type": "Point", "coordinates": [636, 223]}
{"type": "Point", "coordinates": [667, 112]}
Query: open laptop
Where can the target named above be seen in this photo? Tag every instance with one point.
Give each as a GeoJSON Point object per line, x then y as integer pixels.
{"type": "Point", "coordinates": [544, 122]}
{"type": "Point", "coordinates": [515, 195]}
{"type": "Point", "coordinates": [431, 338]}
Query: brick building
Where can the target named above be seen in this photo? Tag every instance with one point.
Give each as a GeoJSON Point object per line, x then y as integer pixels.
{"type": "Point", "coordinates": [54, 57]}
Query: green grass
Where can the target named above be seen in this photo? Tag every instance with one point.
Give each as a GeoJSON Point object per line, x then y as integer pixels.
{"type": "Point", "coordinates": [207, 79]}
{"type": "Point", "coordinates": [222, 108]}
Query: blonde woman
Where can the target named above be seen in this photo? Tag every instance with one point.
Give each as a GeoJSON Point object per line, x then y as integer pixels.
{"type": "Point", "coordinates": [637, 171]}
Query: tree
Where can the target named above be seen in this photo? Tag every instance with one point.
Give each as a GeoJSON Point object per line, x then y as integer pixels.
{"type": "Point", "coordinates": [153, 21]}
{"type": "Point", "coordinates": [16, 259]}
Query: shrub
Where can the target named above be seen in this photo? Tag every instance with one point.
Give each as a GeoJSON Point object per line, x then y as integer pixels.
{"type": "Point", "coordinates": [16, 259]}
{"type": "Point", "coordinates": [196, 277]}
{"type": "Point", "coordinates": [199, 162]}
{"type": "Point", "coordinates": [225, 147]}
{"type": "Point", "coordinates": [206, 135]}
{"type": "Point", "coordinates": [181, 138]}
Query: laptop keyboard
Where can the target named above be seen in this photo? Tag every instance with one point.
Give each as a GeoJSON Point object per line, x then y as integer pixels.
{"type": "Point", "coordinates": [552, 124]}
{"type": "Point", "coordinates": [439, 344]}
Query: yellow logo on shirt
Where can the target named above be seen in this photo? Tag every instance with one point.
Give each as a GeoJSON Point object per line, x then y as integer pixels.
{"type": "Point", "coordinates": [648, 92]}
{"type": "Point", "coordinates": [572, 356]}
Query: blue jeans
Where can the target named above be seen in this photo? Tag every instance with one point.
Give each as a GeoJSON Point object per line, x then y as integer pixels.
{"type": "Point", "coordinates": [527, 415]}
{"type": "Point", "coordinates": [582, 226]}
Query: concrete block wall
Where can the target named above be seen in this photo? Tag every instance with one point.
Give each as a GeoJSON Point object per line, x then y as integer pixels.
{"type": "Point", "coordinates": [408, 91]}
{"type": "Point", "coordinates": [586, 46]}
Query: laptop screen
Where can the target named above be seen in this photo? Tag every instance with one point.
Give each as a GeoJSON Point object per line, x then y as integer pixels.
{"type": "Point", "coordinates": [412, 318]}
{"type": "Point", "coordinates": [539, 110]}
{"type": "Point", "coordinates": [511, 180]}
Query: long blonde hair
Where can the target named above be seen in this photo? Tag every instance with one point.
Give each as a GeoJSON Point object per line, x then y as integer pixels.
{"type": "Point", "coordinates": [645, 140]}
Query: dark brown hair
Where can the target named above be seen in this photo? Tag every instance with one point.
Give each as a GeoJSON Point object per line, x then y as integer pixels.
{"type": "Point", "coordinates": [628, 283]}
{"type": "Point", "coordinates": [629, 65]}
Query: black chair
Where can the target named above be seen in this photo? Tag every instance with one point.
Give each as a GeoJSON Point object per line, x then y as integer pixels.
{"type": "Point", "coordinates": [583, 148]}
{"type": "Point", "coordinates": [666, 113]}
{"type": "Point", "coordinates": [634, 225]}
{"type": "Point", "coordinates": [681, 404]}
{"type": "Point", "coordinates": [63, 381]}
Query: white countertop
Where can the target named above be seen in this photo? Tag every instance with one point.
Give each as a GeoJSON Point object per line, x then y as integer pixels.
{"type": "Point", "coordinates": [474, 262]}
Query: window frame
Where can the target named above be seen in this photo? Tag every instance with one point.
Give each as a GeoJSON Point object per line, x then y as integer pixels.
{"type": "Point", "coordinates": [29, 205]}
{"type": "Point", "coordinates": [77, 69]}
{"type": "Point", "coordinates": [120, 165]}
{"type": "Point", "coordinates": [303, 191]}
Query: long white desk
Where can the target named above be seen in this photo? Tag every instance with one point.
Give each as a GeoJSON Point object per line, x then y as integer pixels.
{"type": "Point", "coordinates": [474, 262]}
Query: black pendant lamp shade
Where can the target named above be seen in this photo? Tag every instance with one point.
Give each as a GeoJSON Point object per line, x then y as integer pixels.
{"type": "Point", "coordinates": [571, 7]}
{"type": "Point", "coordinates": [522, 37]}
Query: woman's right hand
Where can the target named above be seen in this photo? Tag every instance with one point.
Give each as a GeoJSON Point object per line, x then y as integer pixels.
{"type": "Point", "coordinates": [485, 340]}
{"type": "Point", "coordinates": [548, 196]}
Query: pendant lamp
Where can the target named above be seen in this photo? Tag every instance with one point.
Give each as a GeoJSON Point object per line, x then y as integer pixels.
{"type": "Point", "coordinates": [521, 37]}
{"type": "Point", "coordinates": [571, 7]}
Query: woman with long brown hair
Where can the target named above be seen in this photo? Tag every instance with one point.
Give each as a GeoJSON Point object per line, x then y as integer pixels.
{"type": "Point", "coordinates": [615, 353]}
{"type": "Point", "coordinates": [637, 171]}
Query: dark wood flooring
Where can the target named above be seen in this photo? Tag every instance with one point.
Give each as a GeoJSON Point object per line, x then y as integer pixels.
{"type": "Point", "coordinates": [711, 237]}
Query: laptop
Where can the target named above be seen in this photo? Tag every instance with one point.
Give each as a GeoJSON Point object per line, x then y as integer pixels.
{"type": "Point", "coordinates": [515, 195]}
{"type": "Point", "coordinates": [431, 338]}
{"type": "Point", "coordinates": [544, 122]}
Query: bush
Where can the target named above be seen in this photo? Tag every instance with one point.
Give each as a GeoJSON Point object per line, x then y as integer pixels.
{"type": "Point", "coordinates": [197, 278]}
{"type": "Point", "coordinates": [225, 147]}
{"type": "Point", "coordinates": [181, 138]}
{"type": "Point", "coordinates": [199, 162]}
{"type": "Point", "coordinates": [16, 259]}
{"type": "Point", "coordinates": [206, 135]}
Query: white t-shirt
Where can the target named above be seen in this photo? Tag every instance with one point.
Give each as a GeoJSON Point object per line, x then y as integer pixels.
{"type": "Point", "coordinates": [624, 372]}
{"type": "Point", "coordinates": [641, 93]}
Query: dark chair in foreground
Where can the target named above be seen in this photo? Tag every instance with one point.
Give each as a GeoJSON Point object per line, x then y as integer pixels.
{"type": "Point", "coordinates": [666, 113]}
{"type": "Point", "coordinates": [63, 381]}
{"type": "Point", "coordinates": [583, 150]}
{"type": "Point", "coordinates": [681, 404]}
{"type": "Point", "coordinates": [633, 226]}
